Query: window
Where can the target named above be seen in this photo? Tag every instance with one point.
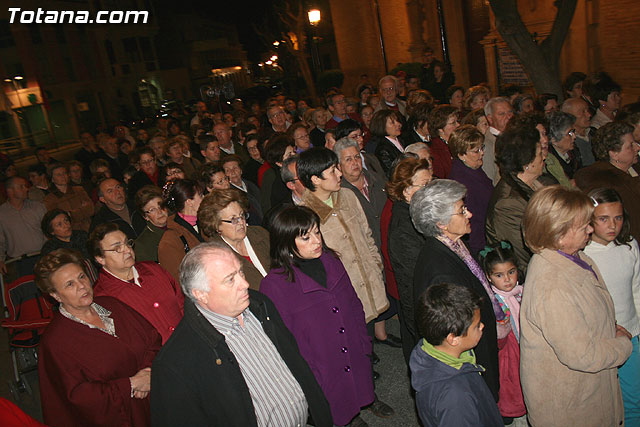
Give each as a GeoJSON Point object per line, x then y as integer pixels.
{"type": "Point", "coordinates": [130, 45]}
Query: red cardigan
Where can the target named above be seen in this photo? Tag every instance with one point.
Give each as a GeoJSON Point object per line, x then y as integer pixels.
{"type": "Point", "coordinates": [441, 158]}
{"type": "Point", "coordinates": [84, 372]}
{"type": "Point", "coordinates": [389, 275]}
{"type": "Point", "coordinates": [158, 299]}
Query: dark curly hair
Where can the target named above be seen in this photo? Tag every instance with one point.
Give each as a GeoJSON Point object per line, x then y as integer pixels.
{"type": "Point", "coordinates": [516, 148]}
{"type": "Point", "coordinates": [609, 138]}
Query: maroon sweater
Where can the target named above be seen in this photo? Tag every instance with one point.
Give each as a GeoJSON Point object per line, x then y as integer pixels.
{"type": "Point", "coordinates": [84, 372]}
{"type": "Point", "coordinates": [158, 299]}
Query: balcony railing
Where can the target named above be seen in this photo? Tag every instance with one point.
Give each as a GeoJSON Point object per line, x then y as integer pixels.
{"type": "Point", "coordinates": [18, 148]}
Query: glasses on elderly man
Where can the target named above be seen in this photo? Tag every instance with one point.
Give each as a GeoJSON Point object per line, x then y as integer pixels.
{"type": "Point", "coordinates": [120, 248]}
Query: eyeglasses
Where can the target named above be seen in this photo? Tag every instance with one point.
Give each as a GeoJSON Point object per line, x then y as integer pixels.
{"type": "Point", "coordinates": [464, 211]}
{"type": "Point", "coordinates": [478, 150]}
{"type": "Point", "coordinates": [237, 220]}
{"type": "Point", "coordinates": [572, 133]}
{"type": "Point", "coordinates": [121, 247]}
{"type": "Point", "coordinates": [358, 135]}
{"type": "Point", "coordinates": [154, 211]}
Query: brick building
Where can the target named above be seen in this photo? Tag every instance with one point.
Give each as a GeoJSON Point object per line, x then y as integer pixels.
{"type": "Point", "coordinates": [600, 38]}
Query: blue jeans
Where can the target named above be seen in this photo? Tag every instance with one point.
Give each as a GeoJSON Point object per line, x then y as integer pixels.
{"type": "Point", "coordinates": [629, 374]}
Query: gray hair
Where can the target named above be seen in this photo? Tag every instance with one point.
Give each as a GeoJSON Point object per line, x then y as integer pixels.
{"type": "Point", "coordinates": [488, 107]}
{"type": "Point", "coordinates": [285, 173]}
{"type": "Point", "coordinates": [559, 123]}
{"type": "Point", "coordinates": [193, 268]}
{"type": "Point", "coordinates": [434, 204]}
{"type": "Point", "coordinates": [391, 78]}
{"type": "Point", "coordinates": [344, 143]}
{"type": "Point", "coordinates": [417, 147]}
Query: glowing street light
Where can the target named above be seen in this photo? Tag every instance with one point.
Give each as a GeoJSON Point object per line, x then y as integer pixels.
{"type": "Point", "coordinates": [268, 62]}
{"type": "Point", "coordinates": [314, 17]}
{"type": "Point", "coordinates": [276, 43]}
{"type": "Point", "coordinates": [274, 58]}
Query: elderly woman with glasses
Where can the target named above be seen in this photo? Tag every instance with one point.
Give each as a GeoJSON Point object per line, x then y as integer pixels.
{"type": "Point", "coordinates": [223, 217]}
{"type": "Point", "coordinates": [439, 213]}
{"type": "Point", "coordinates": [144, 286]}
{"type": "Point", "coordinates": [563, 160]}
{"type": "Point", "coordinates": [95, 356]}
{"type": "Point", "coordinates": [467, 147]}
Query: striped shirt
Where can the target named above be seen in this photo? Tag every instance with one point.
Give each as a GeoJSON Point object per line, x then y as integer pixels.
{"type": "Point", "coordinates": [278, 399]}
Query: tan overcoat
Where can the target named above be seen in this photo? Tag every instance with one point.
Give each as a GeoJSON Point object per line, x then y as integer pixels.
{"type": "Point", "coordinates": [345, 230]}
{"type": "Point", "coordinates": [569, 350]}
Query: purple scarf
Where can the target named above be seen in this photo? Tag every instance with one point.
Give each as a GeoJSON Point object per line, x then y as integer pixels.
{"type": "Point", "coordinates": [579, 261]}
{"type": "Point", "coordinates": [463, 253]}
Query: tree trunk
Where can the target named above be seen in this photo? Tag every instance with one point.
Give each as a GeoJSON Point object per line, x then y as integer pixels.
{"type": "Point", "coordinates": [306, 74]}
{"type": "Point", "coordinates": [539, 60]}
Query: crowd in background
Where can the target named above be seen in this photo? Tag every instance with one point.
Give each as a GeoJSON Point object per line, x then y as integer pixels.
{"type": "Point", "coordinates": [368, 203]}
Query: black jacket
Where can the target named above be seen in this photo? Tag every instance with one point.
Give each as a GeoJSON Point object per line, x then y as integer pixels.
{"type": "Point", "coordinates": [107, 215]}
{"type": "Point", "coordinates": [137, 181]}
{"type": "Point", "coordinates": [404, 243]}
{"type": "Point", "coordinates": [196, 379]}
{"type": "Point", "coordinates": [436, 264]}
{"type": "Point", "coordinates": [386, 152]}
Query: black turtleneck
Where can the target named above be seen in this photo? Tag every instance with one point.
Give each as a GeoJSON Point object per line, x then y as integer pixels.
{"type": "Point", "coordinates": [314, 269]}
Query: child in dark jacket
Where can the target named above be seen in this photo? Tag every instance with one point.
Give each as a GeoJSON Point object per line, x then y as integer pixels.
{"type": "Point", "coordinates": [449, 388]}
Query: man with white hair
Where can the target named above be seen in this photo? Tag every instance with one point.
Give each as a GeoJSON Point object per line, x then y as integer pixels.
{"type": "Point", "coordinates": [388, 88]}
{"type": "Point", "coordinates": [498, 111]}
{"type": "Point", "coordinates": [231, 361]}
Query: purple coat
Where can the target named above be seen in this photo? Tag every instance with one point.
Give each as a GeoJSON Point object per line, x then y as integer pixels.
{"type": "Point", "coordinates": [479, 189]}
{"type": "Point", "coordinates": [328, 324]}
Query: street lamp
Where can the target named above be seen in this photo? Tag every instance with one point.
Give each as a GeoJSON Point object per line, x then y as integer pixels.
{"type": "Point", "coordinates": [314, 20]}
{"type": "Point", "coordinates": [314, 17]}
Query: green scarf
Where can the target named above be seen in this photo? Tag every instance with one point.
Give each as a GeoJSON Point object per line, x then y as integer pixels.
{"type": "Point", "coordinates": [466, 357]}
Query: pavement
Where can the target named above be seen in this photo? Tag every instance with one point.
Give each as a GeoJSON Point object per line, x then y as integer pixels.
{"type": "Point", "coordinates": [392, 387]}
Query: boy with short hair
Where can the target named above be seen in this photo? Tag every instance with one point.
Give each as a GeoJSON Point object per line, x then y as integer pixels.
{"type": "Point", "coordinates": [449, 388]}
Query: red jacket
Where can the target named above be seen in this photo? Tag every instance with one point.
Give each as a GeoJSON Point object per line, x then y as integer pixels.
{"type": "Point", "coordinates": [158, 299]}
{"type": "Point", "coordinates": [441, 158]}
{"type": "Point", "coordinates": [84, 372]}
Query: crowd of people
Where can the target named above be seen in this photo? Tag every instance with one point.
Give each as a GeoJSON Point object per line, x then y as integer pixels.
{"type": "Point", "coordinates": [238, 267]}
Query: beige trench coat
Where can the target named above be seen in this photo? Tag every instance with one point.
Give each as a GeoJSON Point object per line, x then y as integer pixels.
{"type": "Point", "coordinates": [569, 350]}
{"type": "Point", "coordinates": [345, 230]}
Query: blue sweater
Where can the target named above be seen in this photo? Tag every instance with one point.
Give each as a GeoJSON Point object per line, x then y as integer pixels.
{"type": "Point", "coordinates": [446, 396]}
